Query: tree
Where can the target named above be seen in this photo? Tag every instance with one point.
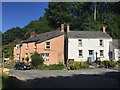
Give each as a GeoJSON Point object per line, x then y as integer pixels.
{"type": "Point", "coordinates": [36, 60]}
{"type": "Point", "coordinates": [27, 59]}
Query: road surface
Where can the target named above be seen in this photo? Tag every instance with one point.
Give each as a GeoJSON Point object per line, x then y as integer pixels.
{"type": "Point", "coordinates": [86, 78]}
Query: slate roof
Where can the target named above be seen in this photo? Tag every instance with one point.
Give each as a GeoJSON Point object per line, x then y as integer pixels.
{"type": "Point", "coordinates": [44, 36]}
{"type": "Point", "coordinates": [88, 34]}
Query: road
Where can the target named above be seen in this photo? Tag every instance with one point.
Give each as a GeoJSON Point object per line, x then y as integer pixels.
{"type": "Point", "coordinates": [87, 78]}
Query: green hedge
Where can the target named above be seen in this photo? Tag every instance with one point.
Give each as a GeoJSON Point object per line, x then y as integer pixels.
{"type": "Point", "coordinates": [51, 67]}
{"type": "Point", "coordinates": [78, 65]}
{"type": "Point", "coordinates": [107, 63]}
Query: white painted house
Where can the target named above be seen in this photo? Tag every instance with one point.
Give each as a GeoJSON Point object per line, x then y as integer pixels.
{"type": "Point", "coordinates": [85, 44]}
{"type": "Point", "coordinates": [115, 50]}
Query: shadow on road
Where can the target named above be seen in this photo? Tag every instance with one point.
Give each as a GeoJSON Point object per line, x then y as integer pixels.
{"type": "Point", "coordinates": [106, 80]}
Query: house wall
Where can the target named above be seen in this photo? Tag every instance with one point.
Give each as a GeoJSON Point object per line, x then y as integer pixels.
{"type": "Point", "coordinates": [87, 44]}
{"type": "Point", "coordinates": [31, 48]}
{"type": "Point", "coordinates": [116, 54]}
{"type": "Point", "coordinates": [16, 51]}
{"type": "Point", "coordinates": [56, 49]}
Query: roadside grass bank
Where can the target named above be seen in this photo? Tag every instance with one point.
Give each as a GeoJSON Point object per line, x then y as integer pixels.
{"type": "Point", "coordinates": [12, 82]}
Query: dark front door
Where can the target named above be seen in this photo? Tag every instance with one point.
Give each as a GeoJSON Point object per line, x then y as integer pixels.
{"type": "Point", "coordinates": [91, 55]}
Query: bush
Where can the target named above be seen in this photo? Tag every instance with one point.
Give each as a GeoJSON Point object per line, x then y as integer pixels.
{"type": "Point", "coordinates": [56, 67]}
{"type": "Point", "coordinates": [89, 62]}
{"type": "Point", "coordinates": [105, 63]}
{"type": "Point", "coordinates": [11, 64]}
{"type": "Point", "coordinates": [78, 65]}
{"type": "Point", "coordinates": [43, 67]}
{"type": "Point", "coordinates": [36, 60]}
{"type": "Point", "coordinates": [118, 62]}
{"type": "Point", "coordinates": [27, 59]}
{"type": "Point", "coordinates": [113, 63]}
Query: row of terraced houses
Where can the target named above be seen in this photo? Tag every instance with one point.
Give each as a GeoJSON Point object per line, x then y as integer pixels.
{"type": "Point", "coordinates": [61, 45]}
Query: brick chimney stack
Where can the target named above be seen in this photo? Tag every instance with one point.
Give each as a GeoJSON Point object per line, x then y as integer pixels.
{"type": "Point", "coordinates": [68, 28]}
{"type": "Point", "coordinates": [62, 27]}
{"type": "Point", "coordinates": [104, 28]}
{"type": "Point", "coordinates": [32, 34]}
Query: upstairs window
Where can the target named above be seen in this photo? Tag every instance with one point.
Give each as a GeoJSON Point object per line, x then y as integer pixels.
{"type": "Point", "coordinates": [101, 53]}
{"type": "Point", "coordinates": [47, 45]}
{"type": "Point", "coordinates": [80, 42]}
{"type": "Point", "coordinates": [26, 45]}
{"type": "Point", "coordinates": [101, 42]}
{"type": "Point", "coordinates": [18, 46]}
{"type": "Point", "coordinates": [80, 53]}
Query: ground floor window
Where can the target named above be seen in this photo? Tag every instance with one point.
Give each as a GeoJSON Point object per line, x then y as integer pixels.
{"type": "Point", "coordinates": [101, 53]}
{"type": "Point", "coordinates": [18, 56]}
{"type": "Point", "coordinates": [80, 53]}
{"type": "Point", "coordinates": [45, 56]}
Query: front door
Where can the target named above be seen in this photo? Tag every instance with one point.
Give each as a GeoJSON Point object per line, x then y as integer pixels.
{"type": "Point", "coordinates": [91, 55]}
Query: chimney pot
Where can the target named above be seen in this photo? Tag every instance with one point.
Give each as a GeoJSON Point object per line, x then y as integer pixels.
{"type": "Point", "coordinates": [32, 34]}
{"type": "Point", "coordinates": [68, 28]}
{"type": "Point", "coordinates": [104, 28]}
{"type": "Point", "coordinates": [62, 27]}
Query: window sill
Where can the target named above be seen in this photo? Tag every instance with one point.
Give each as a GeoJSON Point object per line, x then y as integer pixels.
{"type": "Point", "coordinates": [101, 46]}
{"type": "Point", "coordinates": [101, 56]}
{"type": "Point", "coordinates": [80, 56]}
{"type": "Point", "coordinates": [47, 49]}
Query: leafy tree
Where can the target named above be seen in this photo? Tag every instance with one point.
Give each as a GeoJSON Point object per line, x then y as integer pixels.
{"type": "Point", "coordinates": [36, 60]}
{"type": "Point", "coordinates": [27, 59]}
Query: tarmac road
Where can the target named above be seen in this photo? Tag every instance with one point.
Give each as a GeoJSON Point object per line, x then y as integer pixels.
{"type": "Point", "coordinates": [86, 78]}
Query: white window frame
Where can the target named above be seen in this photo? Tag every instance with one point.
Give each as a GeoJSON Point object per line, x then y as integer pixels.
{"type": "Point", "coordinates": [45, 56]}
{"type": "Point", "coordinates": [79, 53]}
{"type": "Point", "coordinates": [79, 42]}
{"type": "Point", "coordinates": [101, 44]}
{"type": "Point", "coordinates": [18, 56]}
{"type": "Point", "coordinates": [47, 45]}
{"type": "Point", "coordinates": [26, 45]}
{"type": "Point", "coordinates": [17, 46]}
{"type": "Point", "coordinates": [102, 53]}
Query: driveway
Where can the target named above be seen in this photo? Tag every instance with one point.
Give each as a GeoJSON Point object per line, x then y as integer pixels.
{"type": "Point", "coordinates": [86, 78]}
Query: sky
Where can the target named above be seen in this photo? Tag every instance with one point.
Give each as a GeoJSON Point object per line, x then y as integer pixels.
{"type": "Point", "coordinates": [19, 14]}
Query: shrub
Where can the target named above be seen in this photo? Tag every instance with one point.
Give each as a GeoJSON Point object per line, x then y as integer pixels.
{"type": "Point", "coordinates": [89, 62]}
{"type": "Point", "coordinates": [11, 64]}
{"type": "Point", "coordinates": [78, 65]}
{"type": "Point", "coordinates": [105, 63]}
{"type": "Point", "coordinates": [56, 67]}
{"type": "Point", "coordinates": [36, 60]}
{"type": "Point", "coordinates": [27, 59]}
{"type": "Point", "coordinates": [43, 67]}
{"type": "Point", "coordinates": [113, 63]}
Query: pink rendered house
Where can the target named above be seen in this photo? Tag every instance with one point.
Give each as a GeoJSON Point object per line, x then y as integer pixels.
{"type": "Point", "coordinates": [50, 45]}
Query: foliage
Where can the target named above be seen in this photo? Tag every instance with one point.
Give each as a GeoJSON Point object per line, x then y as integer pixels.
{"type": "Point", "coordinates": [27, 59]}
{"type": "Point", "coordinates": [113, 63]}
{"type": "Point", "coordinates": [105, 63]}
{"type": "Point", "coordinates": [36, 60]}
{"type": "Point", "coordinates": [78, 65]}
{"type": "Point", "coordinates": [6, 82]}
{"type": "Point", "coordinates": [43, 67]}
{"type": "Point", "coordinates": [11, 35]}
{"type": "Point", "coordinates": [56, 67]}
{"type": "Point", "coordinates": [108, 64]}
{"type": "Point", "coordinates": [11, 64]}
{"type": "Point", "coordinates": [89, 62]}
{"type": "Point", "coordinates": [51, 67]}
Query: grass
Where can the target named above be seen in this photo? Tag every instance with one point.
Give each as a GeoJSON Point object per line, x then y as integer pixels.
{"type": "Point", "coordinates": [12, 82]}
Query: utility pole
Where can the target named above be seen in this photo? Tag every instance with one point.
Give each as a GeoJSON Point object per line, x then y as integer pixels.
{"type": "Point", "coordinates": [95, 12]}
{"type": "Point", "coordinates": [3, 62]}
